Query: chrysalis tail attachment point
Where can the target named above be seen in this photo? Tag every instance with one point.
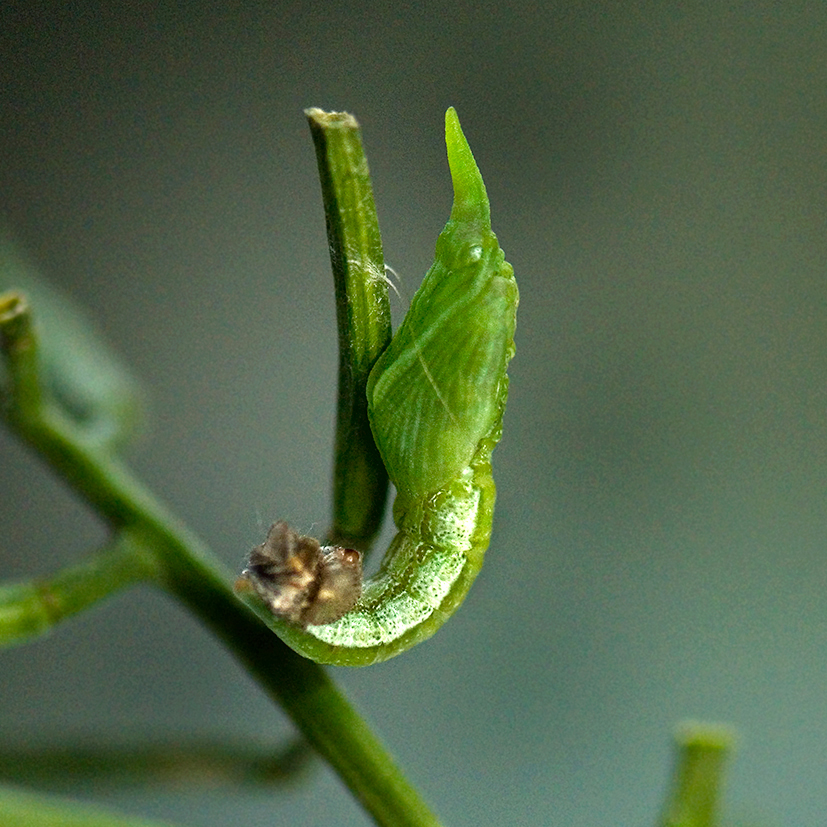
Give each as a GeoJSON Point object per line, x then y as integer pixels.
{"type": "Point", "coordinates": [302, 581]}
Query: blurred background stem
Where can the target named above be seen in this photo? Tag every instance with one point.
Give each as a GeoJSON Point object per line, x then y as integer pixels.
{"type": "Point", "coordinates": [701, 751]}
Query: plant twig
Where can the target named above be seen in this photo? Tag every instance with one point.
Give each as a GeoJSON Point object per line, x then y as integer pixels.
{"type": "Point", "coordinates": [697, 778]}
{"type": "Point", "coordinates": [360, 481]}
{"type": "Point", "coordinates": [32, 608]}
{"type": "Point", "coordinates": [19, 808]}
{"type": "Point", "coordinates": [176, 764]}
{"type": "Point", "coordinates": [89, 382]}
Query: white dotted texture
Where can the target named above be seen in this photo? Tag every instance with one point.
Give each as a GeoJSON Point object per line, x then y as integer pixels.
{"type": "Point", "coordinates": [426, 562]}
{"type": "Point", "coordinates": [381, 616]}
{"type": "Point", "coordinates": [452, 522]}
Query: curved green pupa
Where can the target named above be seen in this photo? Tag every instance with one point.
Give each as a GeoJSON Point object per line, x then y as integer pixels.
{"type": "Point", "coordinates": [436, 398]}
{"type": "Point", "coordinates": [440, 387]}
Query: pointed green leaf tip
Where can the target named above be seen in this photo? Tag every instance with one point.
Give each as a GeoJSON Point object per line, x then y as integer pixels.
{"type": "Point", "coordinates": [470, 199]}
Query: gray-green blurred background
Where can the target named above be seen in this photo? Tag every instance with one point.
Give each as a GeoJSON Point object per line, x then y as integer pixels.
{"type": "Point", "coordinates": [657, 178]}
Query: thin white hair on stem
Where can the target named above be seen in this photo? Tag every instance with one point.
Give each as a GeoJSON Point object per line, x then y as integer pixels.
{"type": "Point", "coordinates": [378, 274]}
{"type": "Point", "coordinates": [393, 280]}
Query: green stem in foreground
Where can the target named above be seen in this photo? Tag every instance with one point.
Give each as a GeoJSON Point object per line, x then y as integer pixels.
{"type": "Point", "coordinates": [360, 481]}
{"type": "Point", "coordinates": [184, 568]}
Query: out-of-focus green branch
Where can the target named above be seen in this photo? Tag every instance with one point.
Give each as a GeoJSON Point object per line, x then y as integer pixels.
{"type": "Point", "coordinates": [19, 808]}
{"type": "Point", "coordinates": [77, 369]}
{"type": "Point", "coordinates": [697, 779]}
{"type": "Point", "coordinates": [174, 763]}
{"type": "Point", "coordinates": [31, 608]}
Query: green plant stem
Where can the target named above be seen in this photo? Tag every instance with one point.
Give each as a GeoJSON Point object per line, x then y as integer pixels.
{"type": "Point", "coordinates": [360, 481]}
{"type": "Point", "coordinates": [701, 752]}
{"type": "Point", "coordinates": [175, 763]}
{"type": "Point", "coordinates": [21, 808]}
{"type": "Point", "coordinates": [183, 567]}
{"type": "Point", "coordinates": [92, 387]}
{"type": "Point", "coordinates": [30, 609]}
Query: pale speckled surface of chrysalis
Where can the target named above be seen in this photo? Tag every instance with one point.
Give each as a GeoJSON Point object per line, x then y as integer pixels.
{"type": "Point", "coordinates": [379, 619]}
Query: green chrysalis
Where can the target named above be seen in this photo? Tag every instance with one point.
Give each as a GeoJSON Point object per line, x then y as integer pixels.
{"type": "Point", "coordinates": [436, 398]}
